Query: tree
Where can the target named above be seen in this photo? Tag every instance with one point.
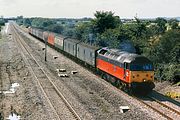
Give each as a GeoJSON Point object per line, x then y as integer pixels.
{"type": "Point", "coordinates": [2, 22]}
{"type": "Point", "coordinates": [166, 53]}
{"type": "Point", "coordinates": [20, 20]}
{"type": "Point", "coordinates": [55, 28]}
{"type": "Point", "coordinates": [168, 48]}
{"type": "Point", "coordinates": [68, 32]}
{"type": "Point", "coordinates": [82, 31]}
{"type": "Point", "coordinates": [105, 20]}
{"type": "Point", "coordinates": [173, 23]}
{"type": "Point", "coordinates": [26, 22]}
{"type": "Point", "coordinates": [161, 22]}
{"type": "Point", "coordinates": [137, 33]}
{"type": "Point", "coordinates": [140, 28]}
{"type": "Point", "coordinates": [42, 23]}
{"type": "Point", "coordinates": [109, 38]}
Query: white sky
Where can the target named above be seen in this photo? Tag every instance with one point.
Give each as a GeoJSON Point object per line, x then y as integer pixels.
{"type": "Point", "coordinates": [86, 8]}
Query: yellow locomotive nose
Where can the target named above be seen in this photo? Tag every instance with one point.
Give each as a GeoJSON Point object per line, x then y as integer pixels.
{"type": "Point", "coordinates": [141, 76]}
{"type": "Point", "coordinates": [142, 81]}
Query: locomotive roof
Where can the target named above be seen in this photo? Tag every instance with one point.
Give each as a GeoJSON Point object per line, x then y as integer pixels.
{"type": "Point", "coordinates": [123, 56]}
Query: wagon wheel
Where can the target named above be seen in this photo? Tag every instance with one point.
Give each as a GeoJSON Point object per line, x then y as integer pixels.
{"type": "Point", "coordinates": [104, 76]}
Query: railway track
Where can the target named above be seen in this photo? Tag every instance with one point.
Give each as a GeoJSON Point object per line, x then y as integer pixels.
{"type": "Point", "coordinates": [156, 105]}
{"type": "Point", "coordinates": [164, 105]}
{"type": "Point", "coordinates": [159, 107]}
{"type": "Point", "coordinates": [59, 104]}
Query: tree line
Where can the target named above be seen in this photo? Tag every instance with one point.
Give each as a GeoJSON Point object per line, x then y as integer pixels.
{"type": "Point", "coordinates": [157, 39]}
{"type": "Point", "coordinates": [2, 23]}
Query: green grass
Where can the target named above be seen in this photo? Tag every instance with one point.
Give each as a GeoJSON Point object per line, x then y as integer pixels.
{"type": "Point", "coordinates": [173, 94]}
{"type": "Point", "coordinates": [178, 83]}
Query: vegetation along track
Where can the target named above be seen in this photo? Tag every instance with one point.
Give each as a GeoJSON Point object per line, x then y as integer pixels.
{"type": "Point", "coordinates": [159, 107]}
{"type": "Point", "coordinates": [55, 98]}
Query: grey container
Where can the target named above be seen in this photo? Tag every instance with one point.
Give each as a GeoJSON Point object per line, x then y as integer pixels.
{"type": "Point", "coordinates": [39, 34]}
{"type": "Point", "coordinates": [87, 53]}
{"type": "Point", "coordinates": [34, 31]}
{"type": "Point", "coordinates": [70, 46]}
{"type": "Point", "coordinates": [45, 36]}
{"type": "Point", "coordinates": [59, 41]}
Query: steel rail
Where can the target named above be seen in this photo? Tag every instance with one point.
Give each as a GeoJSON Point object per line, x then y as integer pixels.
{"type": "Point", "coordinates": [153, 108]}
{"type": "Point", "coordinates": [164, 105]}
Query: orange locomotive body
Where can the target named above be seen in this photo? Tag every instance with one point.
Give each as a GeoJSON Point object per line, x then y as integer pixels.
{"type": "Point", "coordinates": [129, 70]}
{"type": "Point", "coordinates": [113, 70]}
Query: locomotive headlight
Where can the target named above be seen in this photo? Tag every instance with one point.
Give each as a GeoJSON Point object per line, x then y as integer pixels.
{"type": "Point", "coordinates": [127, 73]}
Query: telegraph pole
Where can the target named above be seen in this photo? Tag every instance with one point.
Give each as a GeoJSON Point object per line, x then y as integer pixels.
{"type": "Point", "coordinates": [45, 50]}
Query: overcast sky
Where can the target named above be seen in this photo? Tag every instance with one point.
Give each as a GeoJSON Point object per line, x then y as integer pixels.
{"type": "Point", "coordinates": [86, 8]}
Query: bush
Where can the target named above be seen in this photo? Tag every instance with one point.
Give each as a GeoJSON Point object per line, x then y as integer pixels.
{"type": "Point", "coordinates": [2, 22]}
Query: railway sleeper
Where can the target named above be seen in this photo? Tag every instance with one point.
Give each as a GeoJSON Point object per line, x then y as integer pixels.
{"type": "Point", "coordinates": [63, 75]}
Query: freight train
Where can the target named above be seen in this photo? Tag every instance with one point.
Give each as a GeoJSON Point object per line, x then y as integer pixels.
{"type": "Point", "coordinates": [128, 71]}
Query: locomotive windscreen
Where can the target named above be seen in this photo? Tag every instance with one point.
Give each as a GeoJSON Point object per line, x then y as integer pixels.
{"type": "Point", "coordinates": [139, 67]}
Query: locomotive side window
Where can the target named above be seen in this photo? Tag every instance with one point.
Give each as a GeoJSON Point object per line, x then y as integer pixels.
{"type": "Point", "coordinates": [107, 53]}
{"type": "Point", "coordinates": [126, 65]}
{"type": "Point", "coordinates": [111, 55]}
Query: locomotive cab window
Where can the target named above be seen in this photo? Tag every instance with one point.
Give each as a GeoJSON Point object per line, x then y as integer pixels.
{"type": "Point", "coordinates": [102, 52]}
{"type": "Point", "coordinates": [139, 67]}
